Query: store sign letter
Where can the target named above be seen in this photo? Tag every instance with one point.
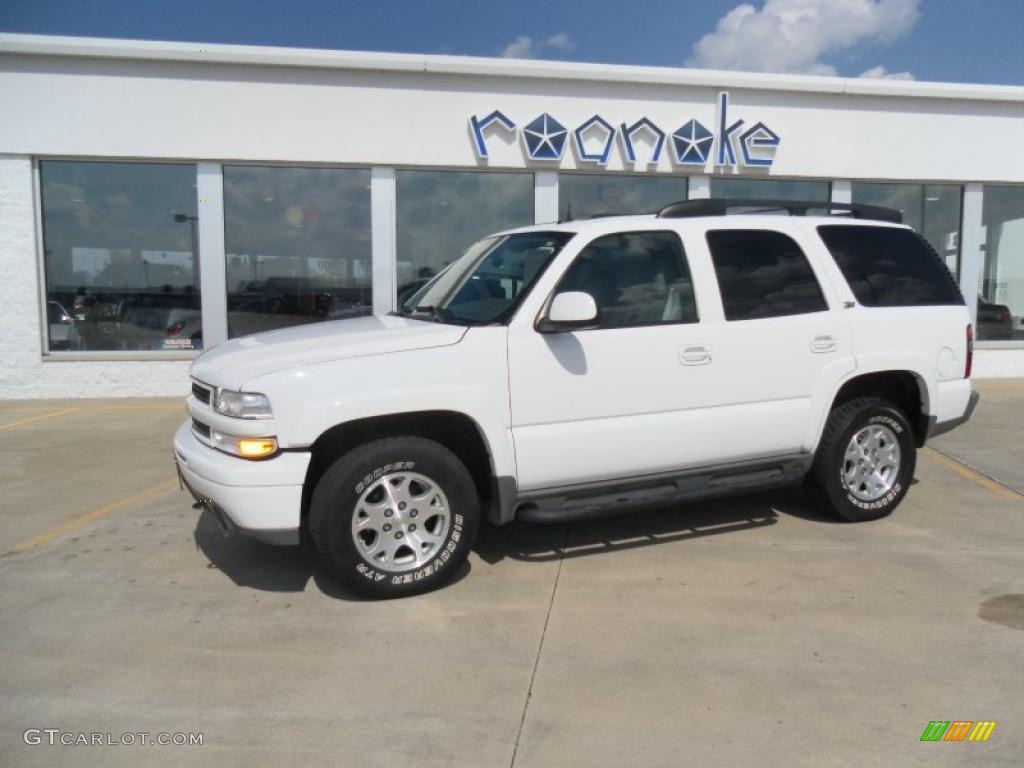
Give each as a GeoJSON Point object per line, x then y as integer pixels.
{"type": "Point", "coordinates": [544, 139]}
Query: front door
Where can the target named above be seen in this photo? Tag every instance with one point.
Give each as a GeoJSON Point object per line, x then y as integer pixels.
{"type": "Point", "coordinates": [606, 402]}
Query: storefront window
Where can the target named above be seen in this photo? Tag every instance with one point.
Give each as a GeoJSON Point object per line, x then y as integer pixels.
{"type": "Point", "coordinates": [441, 213]}
{"type": "Point", "coordinates": [770, 189]}
{"type": "Point", "coordinates": [298, 246]}
{"type": "Point", "coordinates": [931, 209]}
{"type": "Point", "coordinates": [1001, 304]}
{"type": "Point", "coordinates": [591, 194]}
{"type": "Point", "coordinates": [119, 253]}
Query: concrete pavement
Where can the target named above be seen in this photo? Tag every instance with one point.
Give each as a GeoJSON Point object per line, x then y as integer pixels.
{"type": "Point", "coordinates": [743, 631]}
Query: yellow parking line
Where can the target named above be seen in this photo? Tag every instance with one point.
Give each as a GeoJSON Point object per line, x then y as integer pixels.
{"type": "Point", "coordinates": [978, 479]}
{"type": "Point", "coordinates": [50, 415]}
{"type": "Point", "coordinates": [95, 514]}
{"type": "Point", "coordinates": [177, 407]}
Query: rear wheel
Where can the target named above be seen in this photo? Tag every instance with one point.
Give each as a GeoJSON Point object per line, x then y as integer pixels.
{"type": "Point", "coordinates": [395, 517]}
{"type": "Point", "coordinates": [864, 462]}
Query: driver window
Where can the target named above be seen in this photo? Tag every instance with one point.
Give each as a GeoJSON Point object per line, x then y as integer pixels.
{"type": "Point", "coordinates": [636, 278]}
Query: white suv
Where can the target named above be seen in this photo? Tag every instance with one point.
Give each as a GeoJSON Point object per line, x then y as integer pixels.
{"type": "Point", "coordinates": [588, 367]}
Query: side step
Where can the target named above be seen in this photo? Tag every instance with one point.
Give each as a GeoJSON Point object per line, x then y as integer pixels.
{"type": "Point", "coordinates": [558, 505]}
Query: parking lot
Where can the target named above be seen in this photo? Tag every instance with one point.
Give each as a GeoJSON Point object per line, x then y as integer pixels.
{"type": "Point", "coordinates": [738, 632]}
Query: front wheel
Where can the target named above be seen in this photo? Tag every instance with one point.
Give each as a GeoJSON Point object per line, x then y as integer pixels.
{"type": "Point", "coordinates": [864, 462]}
{"type": "Point", "coordinates": [395, 517]}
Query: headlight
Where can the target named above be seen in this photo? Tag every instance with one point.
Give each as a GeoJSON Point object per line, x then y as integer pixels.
{"type": "Point", "coordinates": [242, 405]}
{"type": "Point", "coordinates": [246, 447]}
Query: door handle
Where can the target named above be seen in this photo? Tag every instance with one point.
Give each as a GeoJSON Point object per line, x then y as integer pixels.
{"type": "Point", "coordinates": [824, 343]}
{"type": "Point", "coordinates": [695, 355]}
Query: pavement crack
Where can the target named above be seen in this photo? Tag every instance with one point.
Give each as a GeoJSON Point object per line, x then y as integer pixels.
{"type": "Point", "coordinates": [540, 645]}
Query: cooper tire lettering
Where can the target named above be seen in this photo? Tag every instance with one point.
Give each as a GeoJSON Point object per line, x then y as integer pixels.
{"type": "Point", "coordinates": [826, 483]}
{"type": "Point", "coordinates": [337, 494]}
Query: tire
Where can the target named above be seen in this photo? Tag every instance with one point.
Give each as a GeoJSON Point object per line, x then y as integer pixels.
{"type": "Point", "coordinates": [868, 480]}
{"type": "Point", "coordinates": [367, 525]}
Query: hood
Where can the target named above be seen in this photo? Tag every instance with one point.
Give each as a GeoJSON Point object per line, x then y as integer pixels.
{"type": "Point", "coordinates": [235, 362]}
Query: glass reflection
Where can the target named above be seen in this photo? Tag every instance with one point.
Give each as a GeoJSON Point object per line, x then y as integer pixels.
{"type": "Point", "coordinates": [590, 194]}
{"type": "Point", "coordinates": [770, 189]}
{"type": "Point", "coordinates": [1001, 303]}
{"type": "Point", "coordinates": [441, 213]}
{"type": "Point", "coordinates": [931, 209]}
{"type": "Point", "coordinates": [298, 246]}
{"type": "Point", "coordinates": [119, 253]}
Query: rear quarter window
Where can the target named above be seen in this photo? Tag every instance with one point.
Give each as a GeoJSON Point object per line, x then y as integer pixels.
{"type": "Point", "coordinates": [890, 267]}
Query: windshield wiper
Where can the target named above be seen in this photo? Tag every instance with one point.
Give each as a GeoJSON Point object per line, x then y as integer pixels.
{"type": "Point", "coordinates": [441, 314]}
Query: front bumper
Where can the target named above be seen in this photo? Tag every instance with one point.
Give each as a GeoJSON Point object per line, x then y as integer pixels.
{"type": "Point", "coordinates": [262, 499]}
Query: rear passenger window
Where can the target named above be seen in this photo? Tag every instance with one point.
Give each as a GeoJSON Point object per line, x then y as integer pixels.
{"type": "Point", "coordinates": [763, 274]}
{"type": "Point", "coordinates": [636, 278]}
{"type": "Point", "coordinates": [890, 267]}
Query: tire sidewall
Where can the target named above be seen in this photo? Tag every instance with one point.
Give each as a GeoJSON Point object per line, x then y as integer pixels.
{"type": "Point", "coordinates": [893, 419]}
{"type": "Point", "coordinates": [344, 483]}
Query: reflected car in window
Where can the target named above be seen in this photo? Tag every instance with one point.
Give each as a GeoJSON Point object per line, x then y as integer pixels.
{"type": "Point", "coordinates": [995, 321]}
{"type": "Point", "coordinates": [159, 323]}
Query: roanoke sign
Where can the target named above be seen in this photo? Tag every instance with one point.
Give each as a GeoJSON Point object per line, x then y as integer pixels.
{"type": "Point", "coordinates": [545, 139]}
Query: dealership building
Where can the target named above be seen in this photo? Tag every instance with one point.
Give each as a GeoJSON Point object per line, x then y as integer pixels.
{"type": "Point", "coordinates": [159, 198]}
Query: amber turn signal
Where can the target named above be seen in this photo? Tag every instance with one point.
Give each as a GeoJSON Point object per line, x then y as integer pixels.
{"type": "Point", "coordinates": [256, 447]}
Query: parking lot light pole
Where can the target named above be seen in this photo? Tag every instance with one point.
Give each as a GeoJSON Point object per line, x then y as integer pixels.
{"type": "Point", "coordinates": [181, 218]}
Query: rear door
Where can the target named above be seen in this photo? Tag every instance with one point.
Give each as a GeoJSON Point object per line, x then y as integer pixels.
{"type": "Point", "coordinates": [778, 339]}
{"type": "Point", "coordinates": [908, 312]}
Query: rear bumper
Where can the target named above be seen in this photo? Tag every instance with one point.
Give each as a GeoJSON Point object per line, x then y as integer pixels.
{"type": "Point", "coordinates": [936, 427]}
{"type": "Point", "coordinates": [262, 499]}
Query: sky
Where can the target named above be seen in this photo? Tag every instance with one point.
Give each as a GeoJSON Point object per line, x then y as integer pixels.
{"type": "Point", "coordinates": [972, 41]}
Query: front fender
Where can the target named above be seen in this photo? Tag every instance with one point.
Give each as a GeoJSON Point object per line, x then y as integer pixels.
{"type": "Point", "coordinates": [468, 378]}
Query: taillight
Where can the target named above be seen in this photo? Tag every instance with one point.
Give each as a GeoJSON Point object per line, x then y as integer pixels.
{"type": "Point", "coordinates": [1005, 316]}
{"type": "Point", "coordinates": [970, 351]}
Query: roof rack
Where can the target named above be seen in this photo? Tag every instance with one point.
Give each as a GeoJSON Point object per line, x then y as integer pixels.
{"type": "Point", "coordinates": [685, 209]}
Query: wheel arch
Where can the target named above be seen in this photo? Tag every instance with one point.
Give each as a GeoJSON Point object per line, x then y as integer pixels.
{"type": "Point", "coordinates": [457, 431]}
{"type": "Point", "coordinates": [905, 388]}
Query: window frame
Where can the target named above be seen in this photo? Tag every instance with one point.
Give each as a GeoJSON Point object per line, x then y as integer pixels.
{"type": "Point", "coordinates": [222, 247]}
{"type": "Point", "coordinates": [686, 263]}
{"type": "Point", "coordinates": [826, 304]}
{"type": "Point", "coordinates": [95, 355]}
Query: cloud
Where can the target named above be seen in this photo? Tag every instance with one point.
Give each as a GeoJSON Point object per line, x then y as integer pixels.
{"type": "Point", "coordinates": [881, 73]}
{"type": "Point", "coordinates": [560, 42]}
{"type": "Point", "coordinates": [794, 35]}
{"type": "Point", "coordinates": [520, 48]}
{"type": "Point", "coordinates": [524, 47]}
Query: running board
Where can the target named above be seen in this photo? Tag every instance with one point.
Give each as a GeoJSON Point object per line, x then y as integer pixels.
{"type": "Point", "coordinates": [581, 502]}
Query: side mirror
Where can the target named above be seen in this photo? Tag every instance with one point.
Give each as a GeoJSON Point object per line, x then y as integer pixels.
{"type": "Point", "coordinates": [570, 311]}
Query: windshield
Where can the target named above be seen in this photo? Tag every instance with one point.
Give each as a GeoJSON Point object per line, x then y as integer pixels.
{"type": "Point", "coordinates": [485, 284]}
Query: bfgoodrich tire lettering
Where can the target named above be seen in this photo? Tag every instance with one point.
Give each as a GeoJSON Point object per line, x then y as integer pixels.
{"type": "Point", "coordinates": [864, 462]}
{"type": "Point", "coordinates": [432, 514]}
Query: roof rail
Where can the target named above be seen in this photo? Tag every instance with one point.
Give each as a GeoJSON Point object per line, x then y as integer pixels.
{"type": "Point", "coordinates": [685, 209]}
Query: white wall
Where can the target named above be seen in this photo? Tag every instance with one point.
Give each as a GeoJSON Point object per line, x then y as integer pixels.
{"type": "Point", "coordinates": [219, 111]}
